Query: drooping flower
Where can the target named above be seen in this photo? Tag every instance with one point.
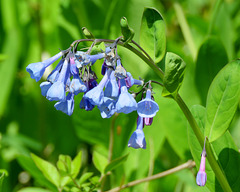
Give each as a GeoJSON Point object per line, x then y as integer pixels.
{"type": "Point", "coordinates": [77, 86]}
{"type": "Point", "coordinates": [85, 104]}
{"type": "Point", "coordinates": [112, 89]}
{"type": "Point", "coordinates": [36, 70]}
{"type": "Point", "coordinates": [44, 87]}
{"type": "Point", "coordinates": [147, 107]}
{"type": "Point", "coordinates": [201, 178]}
{"type": "Point", "coordinates": [96, 95]}
{"type": "Point", "coordinates": [53, 76]}
{"type": "Point", "coordinates": [66, 106]}
{"type": "Point", "coordinates": [108, 107]}
{"type": "Point", "coordinates": [57, 91]}
{"type": "Point", "coordinates": [137, 139]}
{"type": "Point", "coordinates": [125, 103]}
{"type": "Point", "coordinates": [130, 81]}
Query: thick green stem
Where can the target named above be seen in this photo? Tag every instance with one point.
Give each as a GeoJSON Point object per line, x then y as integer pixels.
{"type": "Point", "coordinates": [210, 156]}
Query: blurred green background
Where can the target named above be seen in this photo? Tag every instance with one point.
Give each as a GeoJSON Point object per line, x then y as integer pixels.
{"type": "Point", "coordinates": [31, 30]}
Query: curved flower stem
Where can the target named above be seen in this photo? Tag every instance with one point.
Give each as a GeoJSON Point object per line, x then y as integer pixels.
{"type": "Point", "coordinates": [189, 164]}
{"type": "Point", "coordinates": [210, 156]}
{"type": "Point", "coordinates": [135, 43]}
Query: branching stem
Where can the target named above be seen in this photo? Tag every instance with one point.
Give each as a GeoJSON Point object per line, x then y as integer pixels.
{"type": "Point", "coordinates": [189, 164]}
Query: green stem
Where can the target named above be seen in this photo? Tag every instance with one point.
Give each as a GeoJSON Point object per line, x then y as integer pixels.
{"type": "Point", "coordinates": [188, 165]}
{"type": "Point", "coordinates": [210, 156]}
{"type": "Point", "coordinates": [185, 29]}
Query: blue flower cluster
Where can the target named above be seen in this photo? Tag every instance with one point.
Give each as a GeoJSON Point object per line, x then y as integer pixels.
{"type": "Point", "coordinates": [73, 75]}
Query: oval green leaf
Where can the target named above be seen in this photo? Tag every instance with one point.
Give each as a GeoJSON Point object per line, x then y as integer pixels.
{"type": "Point", "coordinates": [152, 34]}
{"type": "Point", "coordinates": [212, 57]}
{"type": "Point", "coordinates": [174, 74]}
{"type": "Point", "coordinates": [48, 170]}
{"type": "Point", "coordinates": [223, 98]}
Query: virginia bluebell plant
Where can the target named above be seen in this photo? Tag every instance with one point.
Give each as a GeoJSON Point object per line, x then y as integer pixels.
{"type": "Point", "coordinates": [73, 75]}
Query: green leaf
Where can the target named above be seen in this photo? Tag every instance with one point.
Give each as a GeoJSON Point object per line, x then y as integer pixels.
{"type": "Point", "coordinates": [28, 164]}
{"type": "Point", "coordinates": [115, 163]}
{"type": "Point", "coordinates": [174, 74]}
{"type": "Point", "coordinates": [229, 158]}
{"type": "Point", "coordinates": [127, 31]}
{"type": "Point", "coordinates": [152, 34]}
{"type": "Point", "coordinates": [199, 113]}
{"type": "Point", "coordinates": [64, 163]}
{"type": "Point", "coordinates": [212, 57]}
{"type": "Point", "coordinates": [100, 161]}
{"type": "Point", "coordinates": [33, 189]}
{"type": "Point", "coordinates": [85, 177]}
{"type": "Point", "coordinates": [223, 98]}
{"type": "Point", "coordinates": [76, 164]}
{"type": "Point", "coordinates": [87, 33]}
{"type": "Point", "coordinates": [48, 170]}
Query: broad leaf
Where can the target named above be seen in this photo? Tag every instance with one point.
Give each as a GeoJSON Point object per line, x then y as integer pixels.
{"type": "Point", "coordinates": [28, 164]}
{"type": "Point", "coordinates": [211, 59]}
{"type": "Point", "coordinates": [100, 161]}
{"type": "Point", "coordinates": [48, 170]}
{"type": "Point", "coordinates": [174, 73]}
{"type": "Point", "coordinates": [229, 158]}
{"type": "Point", "coordinates": [152, 34]}
{"type": "Point", "coordinates": [223, 98]}
{"type": "Point", "coordinates": [115, 163]}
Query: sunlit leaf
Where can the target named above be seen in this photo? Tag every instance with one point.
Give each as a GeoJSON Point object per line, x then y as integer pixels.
{"type": "Point", "coordinates": [223, 98]}
{"type": "Point", "coordinates": [28, 164]}
{"type": "Point", "coordinates": [48, 170]}
{"type": "Point", "coordinates": [152, 34]}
